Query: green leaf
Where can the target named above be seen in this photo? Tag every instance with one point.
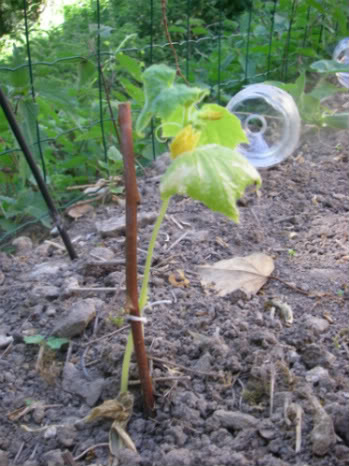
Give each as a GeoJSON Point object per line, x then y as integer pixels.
{"type": "Point", "coordinates": [20, 78]}
{"type": "Point", "coordinates": [56, 343]}
{"type": "Point", "coordinates": [133, 91]}
{"type": "Point", "coordinates": [329, 66]}
{"type": "Point", "coordinates": [175, 121]}
{"type": "Point", "coordinates": [324, 89]}
{"type": "Point", "coordinates": [34, 339]}
{"type": "Point", "coordinates": [74, 162]}
{"type": "Point", "coordinates": [163, 96]}
{"type": "Point", "coordinates": [215, 175]}
{"type": "Point", "coordinates": [219, 126]}
{"type": "Point", "coordinates": [338, 120]}
{"type": "Point", "coordinates": [131, 65]}
{"type": "Point", "coordinates": [200, 31]}
{"type": "Point", "coordinates": [87, 72]}
{"type": "Point", "coordinates": [115, 156]}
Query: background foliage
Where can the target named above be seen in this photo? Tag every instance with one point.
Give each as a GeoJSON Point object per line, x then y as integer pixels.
{"type": "Point", "coordinates": [221, 45]}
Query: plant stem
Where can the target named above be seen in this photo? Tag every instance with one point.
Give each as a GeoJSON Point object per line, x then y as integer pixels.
{"type": "Point", "coordinates": [143, 295]}
{"type": "Point", "coordinates": [144, 290]}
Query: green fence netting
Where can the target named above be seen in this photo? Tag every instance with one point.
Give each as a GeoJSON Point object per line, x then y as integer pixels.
{"type": "Point", "coordinates": [64, 82]}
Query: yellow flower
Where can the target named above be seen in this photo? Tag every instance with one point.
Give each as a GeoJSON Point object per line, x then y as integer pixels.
{"type": "Point", "coordinates": [185, 141]}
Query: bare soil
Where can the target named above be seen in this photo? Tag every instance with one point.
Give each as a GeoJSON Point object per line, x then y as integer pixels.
{"type": "Point", "coordinates": [235, 384]}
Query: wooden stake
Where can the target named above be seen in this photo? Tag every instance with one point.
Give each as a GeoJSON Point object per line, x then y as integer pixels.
{"type": "Point", "coordinates": [132, 200]}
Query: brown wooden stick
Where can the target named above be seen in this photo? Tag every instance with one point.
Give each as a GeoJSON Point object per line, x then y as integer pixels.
{"type": "Point", "coordinates": [132, 200]}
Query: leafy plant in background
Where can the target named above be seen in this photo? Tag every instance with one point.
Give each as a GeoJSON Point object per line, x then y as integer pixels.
{"type": "Point", "coordinates": [11, 14]}
{"type": "Point", "coordinates": [205, 163]}
{"type": "Point", "coordinates": [69, 126]}
{"type": "Point", "coordinates": [310, 106]}
{"type": "Point", "coordinates": [66, 77]}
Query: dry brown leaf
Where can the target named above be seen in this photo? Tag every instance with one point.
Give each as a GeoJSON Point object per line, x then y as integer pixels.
{"type": "Point", "coordinates": [79, 210]}
{"type": "Point", "coordinates": [119, 409]}
{"type": "Point", "coordinates": [119, 438]}
{"type": "Point", "coordinates": [178, 279]}
{"type": "Point", "coordinates": [247, 274]}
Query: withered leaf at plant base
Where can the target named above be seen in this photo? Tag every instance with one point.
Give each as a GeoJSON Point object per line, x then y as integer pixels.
{"type": "Point", "coordinates": [119, 409]}
{"type": "Point", "coordinates": [247, 274]}
{"type": "Point", "coordinates": [119, 438]}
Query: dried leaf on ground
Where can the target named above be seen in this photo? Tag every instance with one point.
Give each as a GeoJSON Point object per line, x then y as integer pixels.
{"type": "Point", "coordinates": [79, 210]}
{"type": "Point", "coordinates": [178, 279]}
{"type": "Point", "coordinates": [247, 274]}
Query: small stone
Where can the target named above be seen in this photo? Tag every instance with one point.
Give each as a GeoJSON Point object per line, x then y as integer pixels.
{"type": "Point", "coordinates": [317, 324]}
{"type": "Point", "coordinates": [66, 436]}
{"type": "Point", "coordinates": [74, 383]}
{"type": "Point", "coordinates": [50, 432]}
{"type": "Point", "coordinates": [316, 355]}
{"type": "Point", "coordinates": [45, 291]}
{"type": "Point", "coordinates": [127, 457]}
{"type": "Point", "coordinates": [262, 338]}
{"type": "Point", "coordinates": [271, 460]}
{"type": "Point", "coordinates": [319, 375]}
{"type": "Point", "coordinates": [342, 452]}
{"type": "Point", "coordinates": [114, 227]}
{"type": "Point", "coordinates": [161, 163]}
{"type": "Point", "coordinates": [234, 419]}
{"type": "Point", "coordinates": [69, 286]}
{"type": "Point", "coordinates": [267, 430]}
{"type": "Point", "coordinates": [322, 436]}
{"type": "Point", "coordinates": [341, 424]}
{"type": "Point", "coordinates": [259, 318]}
{"type": "Point", "coordinates": [293, 356]}
{"type": "Point", "coordinates": [198, 236]}
{"type": "Point", "coordinates": [5, 340]}
{"type": "Point", "coordinates": [103, 254]}
{"type": "Point", "coordinates": [6, 262]}
{"type": "Point", "coordinates": [23, 244]}
{"type": "Point", "coordinates": [53, 458]}
{"type": "Point", "coordinates": [204, 363]}
{"type": "Point", "coordinates": [50, 312]}
{"type": "Point", "coordinates": [3, 458]}
{"type": "Point", "coordinates": [44, 250]}
{"type": "Point", "coordinates": [38, 414]}
{"type": "Point", "coordinates": [111, 227]}
{"type": "Point", "coordinates": [178, 457]}
{"type": "Point", "coordinates": [45, 268]}
{"type": "Point", "coordinates": [116, 279]}
{"type": "Point", "coordinates": [267, 434]}
{"type": "Point", "coordinates": [238, 459]}
{"type": "Point", "coordinates": [78, 318]}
